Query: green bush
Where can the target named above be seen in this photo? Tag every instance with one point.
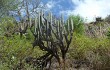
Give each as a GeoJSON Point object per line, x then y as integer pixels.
{"type": "Point", "coordinates": [13, 48]}
{"type": "Point", "coordinates": [93, 49]}
{"type": "Point", "coordinates": [78, 23]}
{"type": "Point", "coordinates": [7, 26]}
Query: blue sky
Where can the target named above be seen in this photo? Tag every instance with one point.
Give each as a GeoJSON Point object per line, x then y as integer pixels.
{"type": "Point", "coordinates": [88, 9]}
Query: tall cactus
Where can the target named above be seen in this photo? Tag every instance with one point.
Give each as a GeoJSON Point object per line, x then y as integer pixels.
{"type": "Point", "coordinates": [35, 26]}
{"type": "Point", "coordinates": [55, 36]}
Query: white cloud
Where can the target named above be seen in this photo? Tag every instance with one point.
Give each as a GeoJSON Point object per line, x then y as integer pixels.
{"type": "Point", "coordinates": [90, 8]}
{"type": "Point", "coordinates": [50, 5]}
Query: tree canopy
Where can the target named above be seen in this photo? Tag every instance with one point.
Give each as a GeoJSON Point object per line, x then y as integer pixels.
{"type": "Point", "coordinates": [6, 6]}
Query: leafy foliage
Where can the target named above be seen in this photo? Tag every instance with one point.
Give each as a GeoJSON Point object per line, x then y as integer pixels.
{"type": "Point", "coordinates": [107, 19]}
{"type": "Point", "coordinates": [14, 49]}
{"type": "Point", "coordinates": [78, 23]}
{"type": "Point", "coordinates": [6, 6]}
{"type": "Point", "coordinates": [95, 50]}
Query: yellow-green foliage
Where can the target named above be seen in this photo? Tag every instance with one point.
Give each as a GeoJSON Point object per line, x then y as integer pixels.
{"type": "Point", "coordinates": [96, 50]}
{"type": "Point", "coordinates": [7, 26]}
{"type": "Point", "coordinates": [78, 23]}
{"type": "Point", "coordinates": [14, 49]}
{"type": "Point", "coordinates": [81, 44]}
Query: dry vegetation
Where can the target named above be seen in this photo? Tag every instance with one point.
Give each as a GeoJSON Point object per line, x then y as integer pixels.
{"type": "Point", "coordinates": [88, 51]}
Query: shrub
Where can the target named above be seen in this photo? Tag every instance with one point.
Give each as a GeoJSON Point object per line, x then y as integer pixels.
{"type": "Point", "coordinates": [78, 23]}
{"type": "Point", "coordinates": [95, 50]}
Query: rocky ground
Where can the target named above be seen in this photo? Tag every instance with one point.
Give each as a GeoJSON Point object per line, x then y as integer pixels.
{"type": "Point", "coordinates": [73, 65]}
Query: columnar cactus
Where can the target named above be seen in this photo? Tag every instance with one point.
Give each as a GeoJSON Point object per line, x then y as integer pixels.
{"type": "Point", "coordinates": [54, 33]}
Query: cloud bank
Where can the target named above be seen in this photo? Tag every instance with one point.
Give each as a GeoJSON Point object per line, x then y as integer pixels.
{"type": "Point", "coordinates": [89, 9]}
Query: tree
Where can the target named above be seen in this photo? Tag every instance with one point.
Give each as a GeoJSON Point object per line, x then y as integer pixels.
{"type": "Point", "coordinates": [24, 9]}
{"type": "Point", "coordinates": [27, 9]}
{"type": "Point", "coordinates": [6, 6]}
{"type": "Point", "coordinates": [107, 19]}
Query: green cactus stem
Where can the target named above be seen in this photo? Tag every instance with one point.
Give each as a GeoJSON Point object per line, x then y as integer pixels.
{"type": "Point", "coordinates": [35, 24]}
{"type": "Point", "coordinates": [72, 24]}
{"type": "Point", "coordinates": [30, 22]}
{"type": "Point", "coordinates": [68, 25]}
